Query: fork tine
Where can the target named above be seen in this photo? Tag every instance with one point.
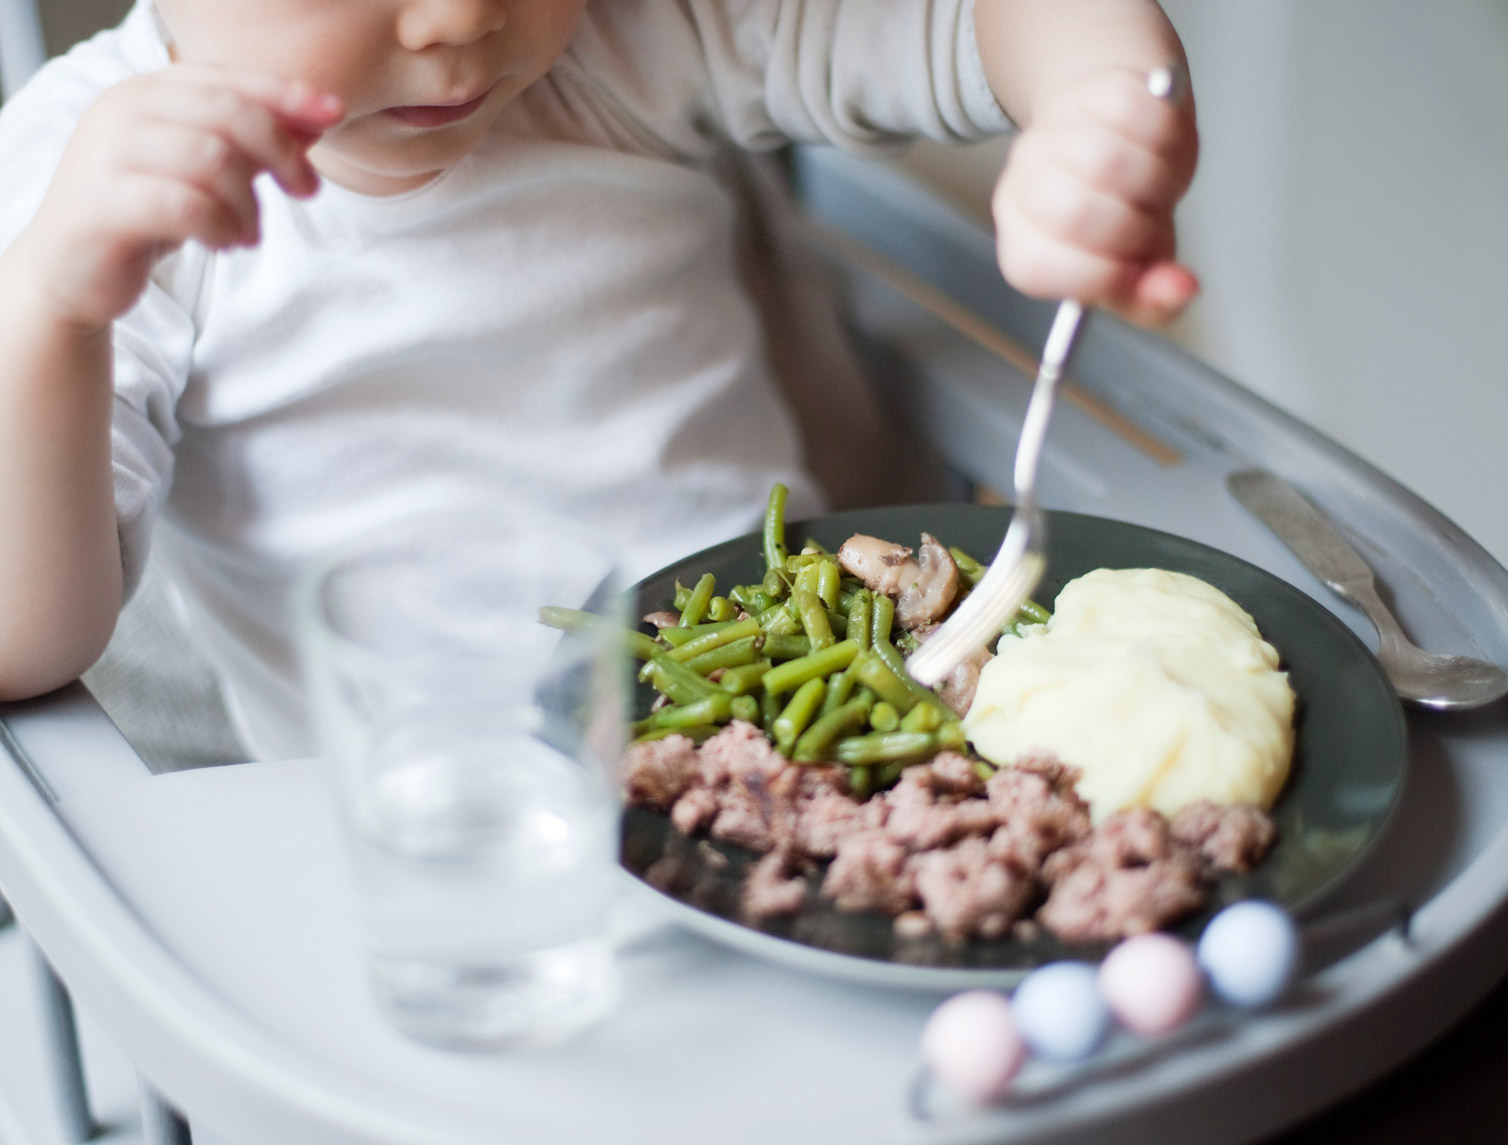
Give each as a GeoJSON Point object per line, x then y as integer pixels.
{"type": "Point", "coordinates": [978, 618]}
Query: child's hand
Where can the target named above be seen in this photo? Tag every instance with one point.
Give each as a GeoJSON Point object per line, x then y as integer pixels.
{"type": "Point", "coordinates": [1084, 209]}
{"type": "Point", "coordinates": [157, 161]}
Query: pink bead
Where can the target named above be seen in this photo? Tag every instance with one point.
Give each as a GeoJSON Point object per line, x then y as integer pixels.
{"type": "Point", "coordinates": [971, 1045]}
{"type": "Point", "coordinates": [1151, 983]}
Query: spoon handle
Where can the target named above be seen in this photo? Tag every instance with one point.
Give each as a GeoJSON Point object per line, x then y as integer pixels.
{"type": "Point", "coordinates": [1315, 541]}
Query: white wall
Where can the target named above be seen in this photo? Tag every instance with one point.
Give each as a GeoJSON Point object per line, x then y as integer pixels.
{"type": "Point", "coordinates": [1350, 223]}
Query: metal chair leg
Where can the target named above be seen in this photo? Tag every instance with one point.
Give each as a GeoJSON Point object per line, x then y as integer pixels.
{"type": "Point", "coordinates": [61, 1050]}
{"type": "Point", "coordinates": [161, 1124]}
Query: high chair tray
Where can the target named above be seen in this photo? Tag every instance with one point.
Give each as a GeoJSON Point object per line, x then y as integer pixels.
{"type": "Point", "coordinates": [201, 919]}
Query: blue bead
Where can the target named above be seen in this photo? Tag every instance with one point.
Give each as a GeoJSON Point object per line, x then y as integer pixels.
{"type": "Point", "coordinates": [1059, 1011]}
{"type": "Point", "coordinates": [1251, 953]}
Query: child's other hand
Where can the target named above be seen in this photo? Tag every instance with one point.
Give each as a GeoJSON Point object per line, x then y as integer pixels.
{"type": "Point", "coordinates": [157, 161]}
{"type": "Point", "coordinates": [1084, 209]}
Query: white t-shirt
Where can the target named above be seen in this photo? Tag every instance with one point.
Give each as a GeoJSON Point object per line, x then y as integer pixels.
{"type": "Point", "coordinates": [558, 320]}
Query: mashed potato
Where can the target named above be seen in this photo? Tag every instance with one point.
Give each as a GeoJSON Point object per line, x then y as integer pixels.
{"type": "Point", "coordinates": [1154, 683]}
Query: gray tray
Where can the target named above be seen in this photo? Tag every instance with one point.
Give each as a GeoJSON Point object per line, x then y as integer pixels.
{"type": "Point", "coordinates": [718, 1045]}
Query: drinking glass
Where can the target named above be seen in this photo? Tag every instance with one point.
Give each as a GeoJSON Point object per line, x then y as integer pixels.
{"type": "Point", "coordinates": [474, 748]}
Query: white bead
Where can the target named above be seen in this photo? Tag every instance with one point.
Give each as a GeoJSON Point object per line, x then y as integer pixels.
{"type": "Point", "coordinates": [971, 1045]}
{"type": "Point", "coordinates": [1059, 1011]}
{"type": "Point", "coordinates": [1251, 953]}
{"type": "Point", "coordinates": [1151, 983]}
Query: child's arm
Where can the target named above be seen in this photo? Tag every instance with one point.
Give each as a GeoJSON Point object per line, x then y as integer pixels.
{"type": "Point", "coordinates": [1085, 206]}
{"type": "Point", "coordinates": [154, 163]}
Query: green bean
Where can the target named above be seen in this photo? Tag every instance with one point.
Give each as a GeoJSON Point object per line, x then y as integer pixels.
{"type": "Point", "coordinates": [798, 713]}
{"type": "Point", "coordinates": [951, 737]}
{"type": "Point", "coordinates": [746, 708]}
{"type": "Point", "coordinates": [777, 621]}
{"type": "Point", "coordinates": [813, 619]}
{"type": "Point", "coordinates": [769, 709]}
{"type": "Point", "coordinates": [817, 740]}
{"type": "Point", "coordinates": [897, 664]}
{"type": "Point", "coordinates": [814, 546]}
{"type": "Point", "coordinates": [714, 709]}
{"type": "Point", "coordinates": [787, 647]}
{"type": "Point", "coordinates": [829, 582]}
{"type": "Point", "coordinates": [859, 782]}
{"type": "Point", "coordinates": [968, 568]}
{"type": "Point", "coordinates": [721, 608]}
{"type": "Point", "coordinates": [806, 580]}
{"type": "Point", "coordinates": [797, 563]}
{"type": "Point", "coordinates": [867, 695]}
{"type": "Point", "coordinates": [682, 595]}
{"type": "Point", "coordinates": [744, 678]}
{"type": "Point", "coordinates": [676, 635]}
{"type": "Point", "coordinates": [776, 583]}
{"type": "Point", "coordinates": [793, 673]}
{"type": "Point", "coordinates": [838, 622]}
{"type": "Point", "coordinates": [983, 770]}
{"type": "Point", "coordinates": [925, 717]}
{"type": "Point", "coordinates": [677, 681]}
{"type": "Point", "coordinates": [885, 747]}
{"type": "Point", "coordinates": [774, 528]}
{"type": "Point", "coordinates": [734, 654]}
{"type": "Point", "coordinates": [839, 689]}
{"type": "Point", "coordinates": [707, 641]}
{"type": "Point", "coordinates": [1034, 613]}
{"type": "Point", "coordinates": [695, 609]}
{"type": "Point", "coordinates": [884, 718]}
{"type": "Point", "coordinates": [886, 774]}
{"type": "Point", "coordinates": [907, 642]}
{"type": "Point", "coordinates": [881, 619]}
{"type": "Point", "coordinates": [874, 673]}
{"type": "Point", "coordinates": [697, 733]}
{"type": "Point", "coordinates": [641, 644]}
{"type": "Point", "coordinates": [858, 617]}
{"type": "Point", "coordinates": [752, 598]}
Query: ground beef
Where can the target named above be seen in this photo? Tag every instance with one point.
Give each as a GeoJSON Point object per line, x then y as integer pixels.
{"type": "Point", "coordinates": [943, 850]}
{"type": "Point", "coordinates": [869, 873]}
{"type": "Point", "coordinates": [658, 772]}
{"type": "Point", "coordinates": [775, 887]}
{"type": "Point", "coordinates": [1229, 838]}
{"type": "Point", "coordinates": [965, 890]}
{"type": "Point", "coordinates": [1098, 903]}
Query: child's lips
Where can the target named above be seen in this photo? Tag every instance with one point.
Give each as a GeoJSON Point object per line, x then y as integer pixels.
{"type": "Point", "coordinates": [438, 115]}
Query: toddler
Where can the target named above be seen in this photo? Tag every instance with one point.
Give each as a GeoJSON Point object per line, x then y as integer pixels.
{"type": "Point", "coordinates": [278, 272]}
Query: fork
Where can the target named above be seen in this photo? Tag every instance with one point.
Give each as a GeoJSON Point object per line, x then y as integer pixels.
{"type": "Point", "coordinates": [1018, 566]}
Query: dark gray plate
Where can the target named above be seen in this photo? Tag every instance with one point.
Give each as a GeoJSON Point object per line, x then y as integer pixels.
{"type": "Point", "coordinates": [1348, 766]}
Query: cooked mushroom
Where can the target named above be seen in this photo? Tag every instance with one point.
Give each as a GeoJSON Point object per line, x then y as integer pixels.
{"type": "Point", "coordinates": [931, 593]}
{"type": "Point", "coordinates": [663, 619]}
{"type": "Point", "coordinates": [883, 566]}
{"type": "Point", "coordinates": [958, 689]}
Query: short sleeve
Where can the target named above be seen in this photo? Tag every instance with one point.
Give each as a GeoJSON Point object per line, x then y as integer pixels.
{"type": "Point", "coordinates": [860, 74]}
{"type": "Point", "coordinates": [153, 343]}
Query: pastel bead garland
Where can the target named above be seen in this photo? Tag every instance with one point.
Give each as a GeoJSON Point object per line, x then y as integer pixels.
{"type": "Point", "coordinates": [1151, 983]}
{"type": "Point", "coordinates": [1251, 953]}
{"type": "Point", "coordinates": [976, 1042]}
{"type": "Point", "coordinates": [1060, 1012]}
{"type": "Point", "coordinates": [971, 1041]}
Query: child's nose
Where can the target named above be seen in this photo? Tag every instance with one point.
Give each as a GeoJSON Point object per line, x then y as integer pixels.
{"type": "Point", "coordinates": [430, 23]}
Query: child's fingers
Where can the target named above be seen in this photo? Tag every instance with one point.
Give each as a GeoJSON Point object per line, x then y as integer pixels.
{"type": "Point", "coordinates": [168, 212]}
{"type": "Point", "coordinates": [1039, 265]}
{"type": "Point", "coordinates": [206, 160]}
{"type": "Point", "coordinates": [1120, 100]}
{"type": "Point", "coordinates": [245, 125]}
{"type": "Point", "coordinates": [1161, 294]}
{"type": "Point", "coordinates": [293, 101]}
{"type": "Point", "coordinates": [1103, 159]}
{"type": "Point", "coordinates": [1063, 205]}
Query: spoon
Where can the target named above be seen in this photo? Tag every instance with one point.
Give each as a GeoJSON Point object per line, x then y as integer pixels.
{"type": "Point", "coordinates": [1428, 679]}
